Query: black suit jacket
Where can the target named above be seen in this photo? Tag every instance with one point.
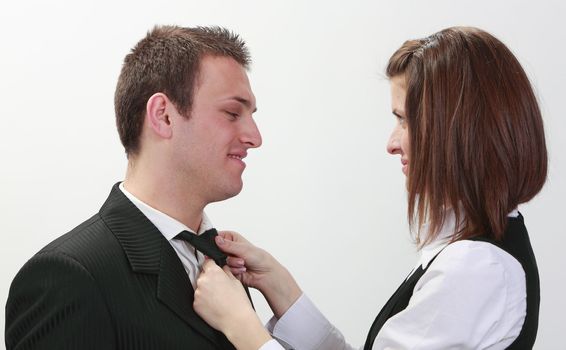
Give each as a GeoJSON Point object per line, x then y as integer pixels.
{"type": "Point", "coordinates": [113, 282]}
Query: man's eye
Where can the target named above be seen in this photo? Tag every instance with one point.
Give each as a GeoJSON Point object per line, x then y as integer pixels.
{"type": "Point", "coordinates": [232, 115]}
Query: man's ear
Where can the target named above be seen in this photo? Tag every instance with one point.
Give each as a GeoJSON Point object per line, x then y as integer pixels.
{"type": "Point", "coordinates": [157, 116]}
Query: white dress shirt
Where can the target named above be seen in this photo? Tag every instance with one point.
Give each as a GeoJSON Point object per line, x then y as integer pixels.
{"type": "Point", "coordinates": [169, 228]}
{"type": "Point", "coordinates": [472, 297]}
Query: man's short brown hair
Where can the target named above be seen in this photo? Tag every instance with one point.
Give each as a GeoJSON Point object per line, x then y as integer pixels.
{"type": "Point", "coordinates": [167, 60]}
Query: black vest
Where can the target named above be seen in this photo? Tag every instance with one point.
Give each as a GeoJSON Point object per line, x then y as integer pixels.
{"type": "Point", "coordinates": [515, 242]}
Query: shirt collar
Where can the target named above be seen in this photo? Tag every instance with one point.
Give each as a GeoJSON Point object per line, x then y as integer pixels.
{"type": "Point", "coordinates": [429, 251]}
{"type": "Point", "coordinates": [168, 226]}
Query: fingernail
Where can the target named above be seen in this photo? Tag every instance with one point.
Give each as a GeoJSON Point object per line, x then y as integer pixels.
{"type": "Point", "coordinates": [219, 240]}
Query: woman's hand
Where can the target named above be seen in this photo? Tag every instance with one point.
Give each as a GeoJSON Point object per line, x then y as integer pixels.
{"type": "Point", "coordinates": [222, 302]}
{"type": "Point", "coordinates": [256, 268]}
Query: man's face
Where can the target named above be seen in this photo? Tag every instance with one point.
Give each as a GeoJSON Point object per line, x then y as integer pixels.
{"type": "Point", "coordinates": [210, 145]}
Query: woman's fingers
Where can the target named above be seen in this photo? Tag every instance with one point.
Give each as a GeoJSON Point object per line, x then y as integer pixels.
{"type": "Point", "coordinates": [235, 262]}
{"type": "Point", "coordinates": [232, 236]}
{"type": "Point", "coordinates": [233, 248]}
{"type": "Point", "coordinates": [228, 272]}
{"type": "Point", "coordinates": [208, 265]}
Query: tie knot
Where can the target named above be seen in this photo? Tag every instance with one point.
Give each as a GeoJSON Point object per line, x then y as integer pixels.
{"type": "Point", "coordinates": [205, 244]}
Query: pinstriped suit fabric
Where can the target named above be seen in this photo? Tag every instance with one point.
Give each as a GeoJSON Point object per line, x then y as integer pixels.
{"type": "Point", "coordinates": [113, 282]}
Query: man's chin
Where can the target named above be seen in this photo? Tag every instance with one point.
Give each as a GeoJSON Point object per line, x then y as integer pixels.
{"type": "Point", "coordinates": [227, 193]}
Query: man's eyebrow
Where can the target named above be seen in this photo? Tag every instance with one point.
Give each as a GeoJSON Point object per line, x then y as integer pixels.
{"type": "Point", "coordinates": [245, 102]}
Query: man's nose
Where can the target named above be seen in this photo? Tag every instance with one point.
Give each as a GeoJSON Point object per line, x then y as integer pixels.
{"type": "Point", "coordinates": [250, 134]}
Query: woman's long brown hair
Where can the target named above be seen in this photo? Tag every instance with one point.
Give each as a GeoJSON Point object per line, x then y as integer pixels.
{"type": "Point", "coordinates": [476, 132]}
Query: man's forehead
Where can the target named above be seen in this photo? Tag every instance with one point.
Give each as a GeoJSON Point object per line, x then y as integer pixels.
{"type": "Point", "coordinates": [226, 78]}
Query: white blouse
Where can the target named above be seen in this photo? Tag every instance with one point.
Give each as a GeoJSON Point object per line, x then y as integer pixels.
{"type": "Point", "coordinates": [472, 297]}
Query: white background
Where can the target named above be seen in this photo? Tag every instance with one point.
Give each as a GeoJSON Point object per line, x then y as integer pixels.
{"type": "Point", "coordinates": [321, 194]}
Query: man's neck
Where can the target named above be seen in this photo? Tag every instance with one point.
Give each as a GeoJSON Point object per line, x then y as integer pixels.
{"type": "Point", "coordinates": [167, 198]}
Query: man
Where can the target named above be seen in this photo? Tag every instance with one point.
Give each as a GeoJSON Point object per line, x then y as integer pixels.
{"type": "Point", "coordinates": [124, 279]}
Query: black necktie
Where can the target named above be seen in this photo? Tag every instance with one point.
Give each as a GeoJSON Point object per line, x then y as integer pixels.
{"type": "Point", "coordinates": [205, 244]}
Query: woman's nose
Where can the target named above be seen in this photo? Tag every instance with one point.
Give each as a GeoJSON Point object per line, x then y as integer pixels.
{"type": "Point", "coordinates": [394, 144]}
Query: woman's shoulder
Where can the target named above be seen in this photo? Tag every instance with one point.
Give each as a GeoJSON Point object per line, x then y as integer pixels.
{"type": "Point", "coordinates": [473, 290]}
{"type": "Point", "coordinates": [483, 276]}
{"type": "Point", "coordinates": [482, 269]}
{"type": "Point", "coordinates": [478, 256]}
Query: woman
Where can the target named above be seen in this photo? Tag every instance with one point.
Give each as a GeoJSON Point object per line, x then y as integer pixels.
{"type": "Point", "coordinates": [471, 141]}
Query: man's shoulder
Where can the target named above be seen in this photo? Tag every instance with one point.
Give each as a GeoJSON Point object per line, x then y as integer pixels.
{"type": "Point", "coordinates": [86, 239]}
{"type": "Point", "coordinates": [89, 250]}
{"type": "Point", "coordinates": [57, 294]}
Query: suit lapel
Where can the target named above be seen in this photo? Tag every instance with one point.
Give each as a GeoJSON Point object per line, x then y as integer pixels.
{"type": "Point", "coordinates": [174, 289]}
{"type": "Point", "coordinates": [149, 252]}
